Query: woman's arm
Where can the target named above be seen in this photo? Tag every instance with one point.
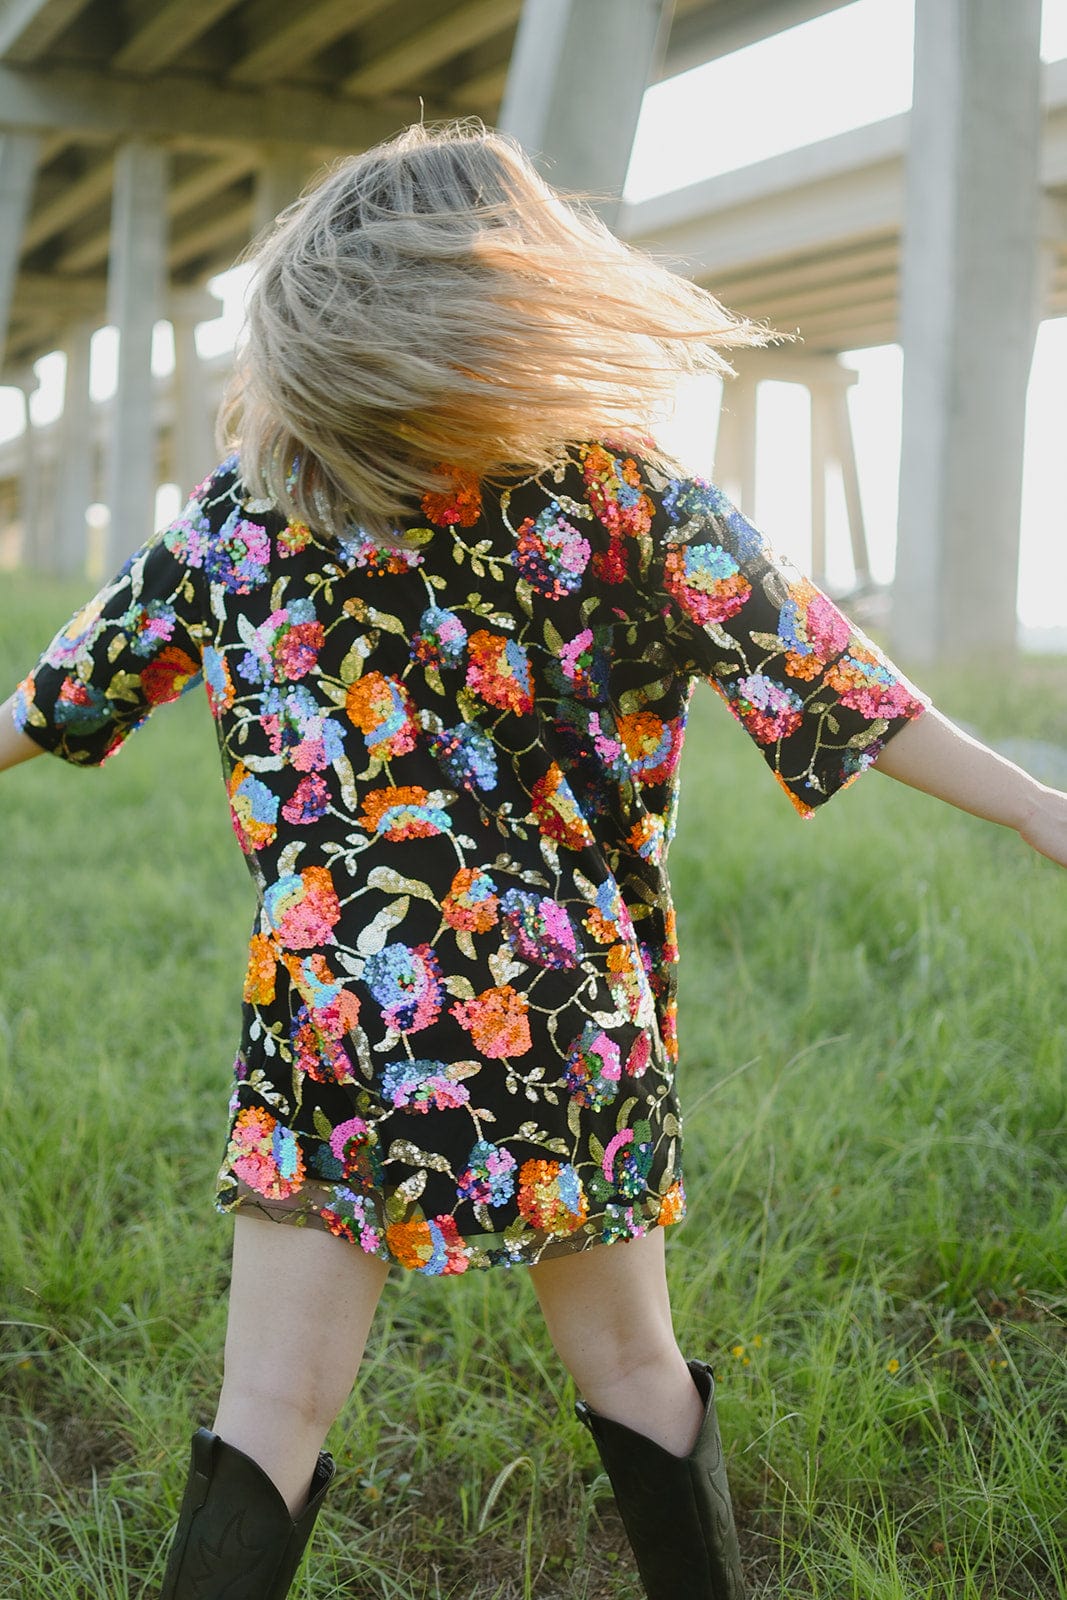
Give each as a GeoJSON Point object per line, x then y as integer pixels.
{"type": "Point", "coordinates": [933, 755]}
{"type": "Point", "coordinates": [14, 746]}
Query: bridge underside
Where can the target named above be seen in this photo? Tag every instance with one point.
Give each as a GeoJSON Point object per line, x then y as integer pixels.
{"type": "Point", "coordinates": [141, 147]}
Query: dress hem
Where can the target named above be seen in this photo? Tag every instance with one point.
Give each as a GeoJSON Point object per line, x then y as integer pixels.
{"type": "Point", "coordinates": [453, 1254]}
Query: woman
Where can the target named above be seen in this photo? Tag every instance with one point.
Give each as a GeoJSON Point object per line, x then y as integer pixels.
{"type": "Point", "coordinates": [448, 600]}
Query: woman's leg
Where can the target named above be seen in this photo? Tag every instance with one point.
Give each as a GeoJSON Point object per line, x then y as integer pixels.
{"type": "Point", "coordinates": [609, 1317]}
{"type": "Point", "coordinates": [652, 1416]}
{"type": "Point", "coordinates": [301, 1305]}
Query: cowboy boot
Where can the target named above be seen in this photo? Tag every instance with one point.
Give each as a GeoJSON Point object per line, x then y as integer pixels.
{"type": "Point", "coordinates": [676, 1509]}
{"type": "Point", "coordinates": [235, 1539]}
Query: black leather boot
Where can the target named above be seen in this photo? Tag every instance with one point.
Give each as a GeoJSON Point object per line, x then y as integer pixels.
{"type": "Point", "coordinates": [235, 1539]}
{"type": "Point", "coordinates": [676, 1509]}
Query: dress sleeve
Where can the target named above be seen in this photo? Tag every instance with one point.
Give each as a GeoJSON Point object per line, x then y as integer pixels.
{"type": "Point", "coordinates": [134, 646]}
{"type": "Point", "coordinates": [814, 693]}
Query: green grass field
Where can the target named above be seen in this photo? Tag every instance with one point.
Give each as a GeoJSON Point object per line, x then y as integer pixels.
{"type": "Point", "coordinates": [874, 1037]}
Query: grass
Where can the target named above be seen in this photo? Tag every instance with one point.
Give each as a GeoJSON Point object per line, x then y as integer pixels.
{"type": "Point", "coordinates": [873, 1044]}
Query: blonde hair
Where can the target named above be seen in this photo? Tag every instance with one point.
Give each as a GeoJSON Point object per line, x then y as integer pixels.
{"type": "Point", "coordinates": [433, 304]}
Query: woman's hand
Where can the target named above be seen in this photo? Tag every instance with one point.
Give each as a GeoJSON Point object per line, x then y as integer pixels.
{"type": "Point", "coordinates": [14, 746]}
{"type": "Point", "coordinates": [1045, 828]}
{"type": "Point", "coordinates": [934, 755]}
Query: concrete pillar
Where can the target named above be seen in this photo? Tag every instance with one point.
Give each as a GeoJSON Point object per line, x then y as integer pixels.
{"type": "Point", "coordinates": [136, 276]}
{"type": "Point", "coordinates": [968, 316]}
{"type": "Point", "coordinates": [845, 449]}
{"type": "Point", "coordinates": [32, 550]}
{"type": "Point", "coordinates": [735, 444]}
{"type": "Point", "coordinates": [18, 167]}
{"type": "Point", "coordinates": [280, 177]}
{"type": "Point", "coordinates": [1051, 238]}
{"type": "Point", "coordinates": [821, 455]}
{"type": "Point", "coordinates": [578, 73]}
{"type": "Point", "coordinates": [832, 447]}
{"type": "Point", "coordinates": [74, 491]}
{"type": "Point", "coordinates": [193, 451]}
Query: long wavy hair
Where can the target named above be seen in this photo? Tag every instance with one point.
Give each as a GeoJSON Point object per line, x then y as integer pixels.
{"type": "Point", "coordinates": [433, 306]}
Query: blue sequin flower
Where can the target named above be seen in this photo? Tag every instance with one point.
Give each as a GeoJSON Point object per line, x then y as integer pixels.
{"type": "Point", "coordinates": [467, 755]}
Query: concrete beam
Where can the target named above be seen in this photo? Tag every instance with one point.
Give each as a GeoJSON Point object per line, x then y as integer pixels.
{"type": "Point", "coordinates": [28, 339]}
{"type": "Point", "coordinates": [46, 292]}
{"type": "Point", "coordinates": [427, 45]}
{"type": "Point", "coordinates": [166, 31]}
{"type": "Point", "coordinates": [848, 327]}
{"type": "Point", "coordinates": [29, 27]}
{"type": "Point", "coordinates": [483, 90]}
{"type": "Point", "coordinates": [846, 211]}
{"type": "Point", "coordinates": [704, 33]}
{"type": "Point", "coordinates": [968, 319]}
{"type": "Point", "coordinates": [845, 155]}
{"type": "Point", "coordinates": [74, 200]}
{"type": "Point", "coordinates": [788, 364]}
{"type": "Point", "coordinates": [578, 74]}
{"type": "Point", "coordinates": [206, 182]}
{"type": "Point", "coordinates": [231, 230]}
{"type": "Point", "coordinates": [192, 305]}
{"type": "Point", "coordinates": [850, 295]}
{"type": "Point", "coordinates": [280, 35]}
{"type": "Point", "coordinates": [53, 145]}
{"type": "Point", "coordinates": [178, 106]}
{"type": "Point", "coordinates": [813, 271]}
{"type": "Point", "coordinates": [18, 169]}
{"type": "Point", "coordinates": [50, 301]}
{"type": "Point", "coordinates": [476, 79]}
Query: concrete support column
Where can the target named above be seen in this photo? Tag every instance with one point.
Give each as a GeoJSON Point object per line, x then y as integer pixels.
{"type": "Point", "coordinates": [578, 73]}
{"type": "Point", "coordinates": [32, 542]}
{"type": "Point", "coordinates": [735, 444]}
{"type": "Point", "coordinates": [821, 451]}
{"type": "Point", "coordinates": [1052, 236]}
{"type": "Point", "coordinates": [832, 447]}
{"type": "Point", "coordinates": [967, 324]}
{"type": "Point", "coordinates": [136, 275]}
{"type": "Point", "coordinates": [74, 492]}
{"type": "Point", "coordinates": [279, 180]}
{"type": "Point", "coordinates": [18, 167]}
{"type": "Point", "coordinates": [193, 442]}
{"type": "Point", "coordinates": [845, 449]}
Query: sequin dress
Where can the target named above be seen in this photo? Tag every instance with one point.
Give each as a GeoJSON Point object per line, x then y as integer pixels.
{"type": "Point", "coordinates": [452, 769]}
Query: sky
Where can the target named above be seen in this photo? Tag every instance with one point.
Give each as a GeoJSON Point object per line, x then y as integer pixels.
{"type": "Point", "coordinates": [840, 71]}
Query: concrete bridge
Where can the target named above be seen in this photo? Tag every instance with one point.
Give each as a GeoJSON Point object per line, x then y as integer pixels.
{"type": "Point", "coordinates": [142, 145]}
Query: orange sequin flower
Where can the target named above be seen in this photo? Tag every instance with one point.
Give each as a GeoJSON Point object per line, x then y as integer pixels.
{"type": "Point", "coordinates": [551, 1196]}
{"type": "Point", "coordinates": [496, 1021]}
{"type": "Point", "coordinates": [403, 813]}
{"type": "Point", "coordinates": [471, 903]}
{"type": "Point", "coordinates": [259, 986]}
{"type": "Point", "coordinates": [461, 505]}
{"type": "Point", "coordinates": [672, 1206]}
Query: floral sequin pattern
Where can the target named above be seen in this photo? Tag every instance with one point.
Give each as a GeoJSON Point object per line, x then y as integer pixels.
{"type": "Point", "coordinates": [451, 761]}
